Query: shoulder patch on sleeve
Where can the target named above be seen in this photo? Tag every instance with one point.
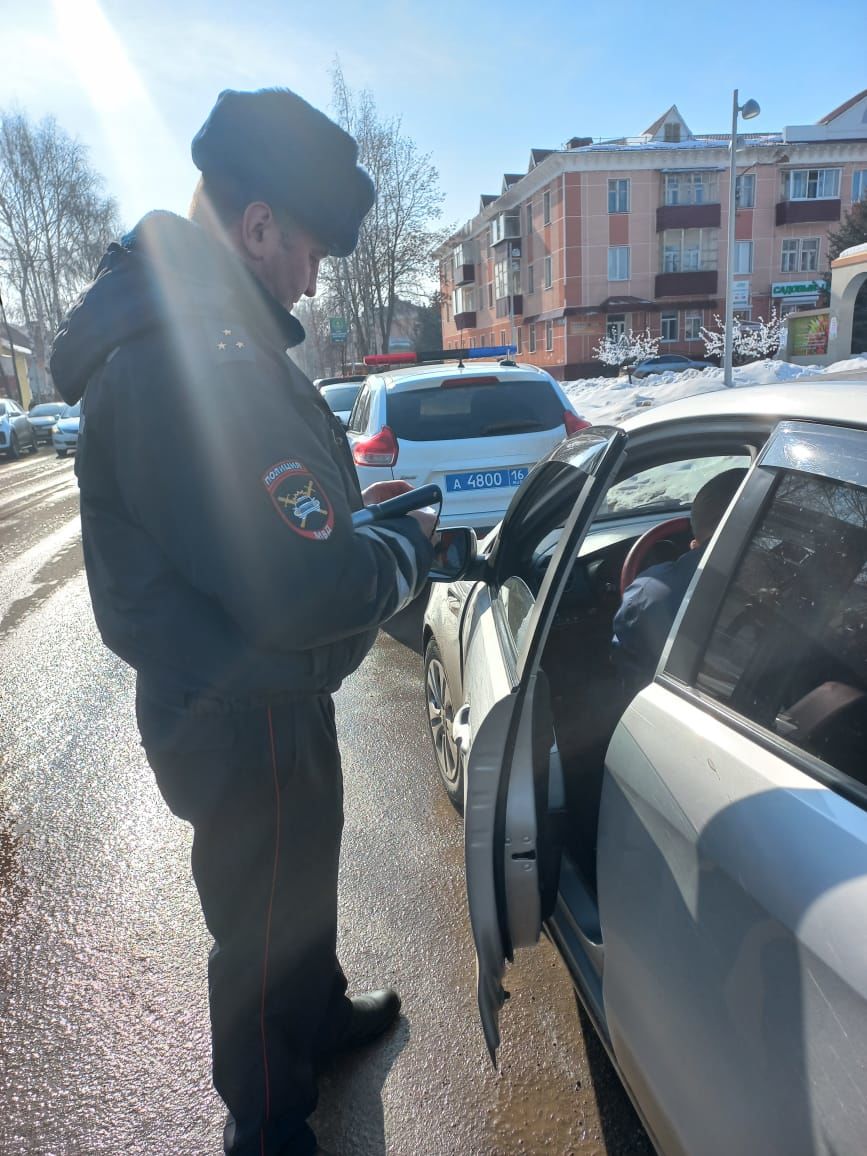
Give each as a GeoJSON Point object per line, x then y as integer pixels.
{"type": "Point", "coordinates": [299, 500]}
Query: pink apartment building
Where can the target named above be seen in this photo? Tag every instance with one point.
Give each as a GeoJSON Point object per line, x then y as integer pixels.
{"type": "Point", "coordinates": [631, 233]}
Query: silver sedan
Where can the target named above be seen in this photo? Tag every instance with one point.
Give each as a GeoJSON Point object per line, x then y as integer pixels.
{"type": "Point", "coordinates": [695, 847]}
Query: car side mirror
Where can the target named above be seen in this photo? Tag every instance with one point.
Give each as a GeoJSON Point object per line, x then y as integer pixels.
{"type": "Point", "coordinates": [455, 555]}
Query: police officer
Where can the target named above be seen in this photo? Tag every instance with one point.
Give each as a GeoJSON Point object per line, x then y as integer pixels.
{"type": "Point", "coordinates": [216, 499]}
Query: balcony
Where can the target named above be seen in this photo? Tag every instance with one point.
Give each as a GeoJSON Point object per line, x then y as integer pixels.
{"type": "Point", "coordinates": [505, 227]}
{"type": "Point", "coordinates": [688, 217]}
{"type": "Point", "coordinates": [701, 283]}
{"type": "Point", "coordinates": [465, 320]}
{"type": "Point", "coordinates": [801, 212]}
{"type": "Point", "coordinates": [504, 310]}
{"type": "Point", "coordinates": [465, 274]}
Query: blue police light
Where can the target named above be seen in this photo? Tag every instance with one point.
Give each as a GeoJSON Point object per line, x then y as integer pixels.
{"type": "Point", "coordinates": [490, 351]}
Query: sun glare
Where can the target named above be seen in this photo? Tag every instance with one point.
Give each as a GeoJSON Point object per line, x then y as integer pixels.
{"type": "Point", "coordinates": [133, 128]}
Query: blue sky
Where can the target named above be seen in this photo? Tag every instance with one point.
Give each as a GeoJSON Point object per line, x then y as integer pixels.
{"type": "Point", "coordinates": [477, 84]}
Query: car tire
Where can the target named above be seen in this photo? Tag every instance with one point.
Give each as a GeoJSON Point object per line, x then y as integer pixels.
{"type": "Point", "coordinates": [440, 716]}
{"type": "Point", "coordinates": [34, 446]}
{"type": "Point", "coordinates": [14, 451]}
{"type": "Point", "coordinates": [61, 453]}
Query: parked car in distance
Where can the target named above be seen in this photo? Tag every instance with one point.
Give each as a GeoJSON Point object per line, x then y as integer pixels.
{"type": "Point", "coordinates": [16, 432]}
{"type": "Point", "coordinates": [64, 435]}
{"type": "Point", "coordinates": [319, 382]}
{"type": "Point", "coordinates": [696, 846]}
{"type": "Point", "coordinates": [340, 398]}
{"type": "Point", "coordinates": [666, 363]}
{"type": "Point", "coordinates": [475, 430]}
{"type": "Point", "coordinates": [43, 418]}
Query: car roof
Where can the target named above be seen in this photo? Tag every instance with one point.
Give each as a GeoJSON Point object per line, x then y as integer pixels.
{"type": "Point", "coordinates": [838, 402]}
{"type": "Point", "coordinates": [419, 376]}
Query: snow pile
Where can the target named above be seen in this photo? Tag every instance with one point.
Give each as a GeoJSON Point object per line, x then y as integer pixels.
{"type": "Point", "coordinates": [612, 399]}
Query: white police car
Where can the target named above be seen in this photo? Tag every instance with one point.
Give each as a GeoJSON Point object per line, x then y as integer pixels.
{"type": "Point", "coordinates": [474, 429]}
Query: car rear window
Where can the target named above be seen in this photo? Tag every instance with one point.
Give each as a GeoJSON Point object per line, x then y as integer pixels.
{"type": "Point", "coordinates": [474, 411]}
{"type": "Point", "coordinates": [50, 409]}
{"type": "Point", "coordinates": [340, 396]}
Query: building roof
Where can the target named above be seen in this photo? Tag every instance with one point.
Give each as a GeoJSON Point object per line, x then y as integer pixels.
{"type": "Point", "coordinates": [844, 107]}
{"type": "Point", "coordinates": [538, 155]}
{"type": "Point", "coordinates": [20, 340]}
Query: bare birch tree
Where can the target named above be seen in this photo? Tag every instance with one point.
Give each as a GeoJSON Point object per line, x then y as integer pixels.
{"type": "Point", "coordinates": [55, 222]}
{"type": "Point", "coordinates": [393, 256]}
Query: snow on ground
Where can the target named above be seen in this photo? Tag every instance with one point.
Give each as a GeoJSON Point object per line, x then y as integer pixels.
{"type": "Point", "coordinates": [611, 399]}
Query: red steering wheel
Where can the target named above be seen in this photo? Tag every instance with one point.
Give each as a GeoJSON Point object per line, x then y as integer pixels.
{"type": "Point", "coordinates": [634, 562]}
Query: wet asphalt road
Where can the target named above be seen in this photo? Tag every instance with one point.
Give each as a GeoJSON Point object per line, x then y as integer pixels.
{"type": "Point", "coordinates": [104, 1042]}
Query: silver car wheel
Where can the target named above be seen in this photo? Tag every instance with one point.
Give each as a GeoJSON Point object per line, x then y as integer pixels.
{"type": "Point", "coordinates": [440, 713]}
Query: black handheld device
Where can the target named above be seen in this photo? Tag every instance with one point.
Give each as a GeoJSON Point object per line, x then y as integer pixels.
{"type": "Point", "coordinates": [396, 507]}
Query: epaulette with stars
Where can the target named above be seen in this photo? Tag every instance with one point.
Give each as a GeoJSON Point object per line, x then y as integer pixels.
{"type": "Point", "coordinates": [229, 343]}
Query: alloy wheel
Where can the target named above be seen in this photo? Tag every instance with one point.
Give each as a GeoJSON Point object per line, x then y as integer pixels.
{"type": "Point", "coordinates": [440, 717]}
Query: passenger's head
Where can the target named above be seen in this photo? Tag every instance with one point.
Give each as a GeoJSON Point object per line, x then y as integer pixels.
{"type": "Point", "coordinates": [280, 183]}
{"type": "Point", "coordinates": [712, 501]}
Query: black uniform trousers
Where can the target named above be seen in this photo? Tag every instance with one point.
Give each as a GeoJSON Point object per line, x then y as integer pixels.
{"type": "Point", "coordinates": [263, 789]}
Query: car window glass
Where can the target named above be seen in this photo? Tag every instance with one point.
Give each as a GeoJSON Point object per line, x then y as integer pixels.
{"type": "Point", "coordinates": [668, 487]}
{"type": "Point", "coordinates": [517, 601]}
{"type": "Point", "coordinates": [447, 412]}
{"type": "Point", "coordinates": [360, 411]}
{"type": "Point", "coordinates": [789, 648]}
{"type": "Point", "coordinates": [340, 397]}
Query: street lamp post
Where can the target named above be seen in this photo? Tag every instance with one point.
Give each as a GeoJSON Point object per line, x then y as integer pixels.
{"type": "Point", "coordinates": [747, 110]}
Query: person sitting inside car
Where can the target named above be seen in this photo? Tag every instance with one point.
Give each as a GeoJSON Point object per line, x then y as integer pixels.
{"type": "Point", "coordinates": [651, 602]}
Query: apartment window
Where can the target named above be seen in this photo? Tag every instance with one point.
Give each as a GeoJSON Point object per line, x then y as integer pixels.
{"type": "Point", "coordinates": [501, 279]}
{"type": "Point", "coordinates": [502, 337]}
{"type": "Point", "coordinates": [531, 338]}
{"type": "Point", "coordinates": [800, 255]}
{"type": "Point", "coordinates": [692, 323]}
{"type": "Point", "coordinates": [615, 326]}
{"type": "Point", "coordinates": [519, 333]}
{"type": "Point", "coordinates": [549, 273]}
{"type": "Point", "coordinates": [672, 133]}
{"type": "Point", "coordinates": [549, 336]}
{"type": "Point", "coordinates": [668, 326]}
{"type": "Point", "coordinates": [529, 218]}
{"type": "Point", "coordinates": [490, 294]}
{"type": "Point", "coordinates": [618, 263]}
{"type": "Point", "coordinates": [811, 184]}
{"type": "Point", "coordinates": [691, 188]}
{"type": "Point", "coordinates": [546, 208]}
{"type": "Point", "coordinates": [743, 257]}
{"type": "Point", "coordinates": [859, 185]}
{"type": "Point", "coordinates": [745, 191]}
{"type": "Point", "coordinates": [618, 196]}
{"type": "Point", "coordinates": [464, 301]}
{"type": "Point", "coordinates": [472, 343]}
{"type": "Point", "coordinates": [689, 250]}
{"type": "Point", "coordinates": [531, 279]}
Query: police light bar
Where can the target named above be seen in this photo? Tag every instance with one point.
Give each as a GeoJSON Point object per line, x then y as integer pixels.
{"type": "Point", "coordinates": [429, 356]}
{"type": "Point", "coordinates": [491, 351]}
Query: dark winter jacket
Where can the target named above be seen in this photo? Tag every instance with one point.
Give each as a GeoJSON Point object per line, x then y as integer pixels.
{"type": "Point", "coordinates": [216, 486]}
{"type": "Point", "coordinates": [649, 607]}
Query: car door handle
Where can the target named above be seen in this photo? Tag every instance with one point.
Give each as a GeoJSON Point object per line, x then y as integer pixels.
{"type": "Point", "coordinates": [453, 599]}
{"type": "Point", "coordinates": [461, 728]}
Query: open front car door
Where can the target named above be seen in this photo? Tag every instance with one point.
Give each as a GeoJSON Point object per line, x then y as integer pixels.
{"type": "Point", "coordinates": [513, 781]}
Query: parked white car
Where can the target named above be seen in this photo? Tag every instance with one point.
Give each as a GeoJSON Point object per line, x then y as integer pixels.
{"type": "Point", "coordinates": [475, 430]}
{"type": "Point", "coordinates": [696, 851]}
